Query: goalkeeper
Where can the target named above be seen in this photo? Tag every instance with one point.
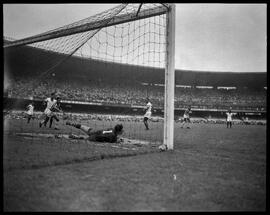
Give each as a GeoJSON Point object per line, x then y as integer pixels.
{"type": "Point", "coordinates": [110, 135]}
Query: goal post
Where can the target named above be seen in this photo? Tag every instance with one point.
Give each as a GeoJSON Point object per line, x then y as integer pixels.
{"type": "Point", "coordinates": [169, 78]}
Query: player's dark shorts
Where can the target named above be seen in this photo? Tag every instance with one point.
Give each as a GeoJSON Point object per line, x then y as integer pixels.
{"type": "Point", "coordinates": [145, 118]}
{"type": "Point", "coordinates": [29, 115]}
{"type": "Point", "coordinates": [187, 119]}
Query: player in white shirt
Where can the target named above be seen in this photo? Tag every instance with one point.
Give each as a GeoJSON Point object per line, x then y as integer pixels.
{"type": "Point", "coordinates": [55, 108]}
{"type": "Point", "coordinates": [50, 102]}
{"type": "Point", "coordinates": [229, 118]}
{"type": "Point", "coordinates": [186, 117]}
{"type": "Point", "coordinates": [30, 112]}
{"type": "Point", "coordinates": [147, 114]}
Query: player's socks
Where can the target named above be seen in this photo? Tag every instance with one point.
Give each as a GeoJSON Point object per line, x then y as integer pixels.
{"type": "Point", "coordinates": [50, 124]}
{"type": "Point", "coordinates": [77, 125]}
{"type": "Point", "coordinates": [73, 124]}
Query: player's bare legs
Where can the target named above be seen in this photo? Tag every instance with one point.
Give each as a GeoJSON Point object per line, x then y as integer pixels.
{"type": "Point", "coordinates": [185, 121]}
{"type": "Point", "coordinates": [29, 117]}
{"type": "Point", "coordinates": [83, 128]}
{"type": "Point", "coordinates": [44, 121]}
{"type": "Point", "coordinates": [189, 122]}
{"type": "Point", "coordinates": [145, 121]}
{"type": "Point", "coordinates": [51, 120]}
{"type": "Point", "coordinates": [229, 124]}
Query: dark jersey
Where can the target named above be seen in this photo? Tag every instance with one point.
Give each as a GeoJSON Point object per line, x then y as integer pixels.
{"type": "Point", "coordinates": [104, 136]}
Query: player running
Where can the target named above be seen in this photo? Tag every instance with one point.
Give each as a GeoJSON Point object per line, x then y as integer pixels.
{"type": "Point", "coordinates": [186, 117]}
{"type": "Point", "coordinates": [229, 118]}
{"type": "Point", "coordinates": [110, 135]}
{"type": "Point", "coordinates": [30, 112]}
{"type": "Point", "coordinates": [50, 102]}
{"type": "Point", "coordinates": [55, 108]}
{"type": "Point", "coordinates": [147, 114]}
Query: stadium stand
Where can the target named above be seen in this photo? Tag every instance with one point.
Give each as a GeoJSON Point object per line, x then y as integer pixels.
{"type": "Point", "coordinates": [136, 94]}
{"type": "Point", "coordinates": [81, 79]}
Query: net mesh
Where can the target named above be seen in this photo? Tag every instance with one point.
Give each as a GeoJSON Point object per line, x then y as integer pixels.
{"type": "Point", "coordinates": [138, 42]}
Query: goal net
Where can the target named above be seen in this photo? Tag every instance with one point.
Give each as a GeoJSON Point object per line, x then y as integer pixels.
{"type": "Point", "coordinates": [104, 68]}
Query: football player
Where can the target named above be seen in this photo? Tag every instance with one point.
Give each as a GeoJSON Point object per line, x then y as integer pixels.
{"type": "Point", "coordinates": [30, 112]}
{"type": "Point", "coordinates": [50, 102]}
{"type": "Point", "coordinates": [147, 114]}
{"type": "Point", "coordinates": [55, 108]}
{"type": "Point", "coordinates": [186, 117]}
{"type": "Point", "coordinates": [110, 135]}
{"type": "Point", "coordinates": [229, 118]}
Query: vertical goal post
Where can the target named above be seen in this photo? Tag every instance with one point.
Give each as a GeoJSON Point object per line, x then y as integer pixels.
{"type": "Point", "coordinates": [169, 78]}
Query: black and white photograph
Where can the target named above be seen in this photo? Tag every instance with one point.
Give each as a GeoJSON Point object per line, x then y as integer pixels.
{"type": "Point", "coordinates": [134, 107]}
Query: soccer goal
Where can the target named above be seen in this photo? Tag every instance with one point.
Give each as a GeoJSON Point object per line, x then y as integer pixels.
{"type": "Point", "coordinates": [121, 57]}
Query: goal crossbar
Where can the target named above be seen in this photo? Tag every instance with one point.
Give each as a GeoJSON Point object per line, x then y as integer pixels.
{"type": "Point", "coordinates": [96, 24]}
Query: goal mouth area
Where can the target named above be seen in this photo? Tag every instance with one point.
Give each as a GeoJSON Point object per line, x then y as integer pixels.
{"type": "Point", "coordinates": [123, 141]}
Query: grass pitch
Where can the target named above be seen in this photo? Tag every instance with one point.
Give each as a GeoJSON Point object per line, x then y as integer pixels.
{"type": "Point", "coordinates": [212, 168]}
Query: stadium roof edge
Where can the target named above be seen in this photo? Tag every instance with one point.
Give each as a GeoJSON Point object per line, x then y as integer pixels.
{"type": "Point", "coordinates": [221, 72]}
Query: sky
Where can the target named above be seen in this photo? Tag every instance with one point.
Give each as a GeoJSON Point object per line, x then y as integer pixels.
{"type": "Point", "coordinates": [209, 37]}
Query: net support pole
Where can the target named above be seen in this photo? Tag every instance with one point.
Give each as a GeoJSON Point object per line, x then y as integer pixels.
{"type": "Point", "coordinates": [169, 78]}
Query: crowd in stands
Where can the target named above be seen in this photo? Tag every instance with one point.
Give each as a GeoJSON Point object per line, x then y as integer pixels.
{"type": "Point", "coordinates": [137, 94]}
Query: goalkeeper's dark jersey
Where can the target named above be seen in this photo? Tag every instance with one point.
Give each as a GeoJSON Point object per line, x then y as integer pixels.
{"type": "Point", "coordinates": [104, 136]}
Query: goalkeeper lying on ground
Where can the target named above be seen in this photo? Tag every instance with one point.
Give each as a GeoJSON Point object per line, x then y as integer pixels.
{"type": "Point", "coordinates": [108, 135]}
